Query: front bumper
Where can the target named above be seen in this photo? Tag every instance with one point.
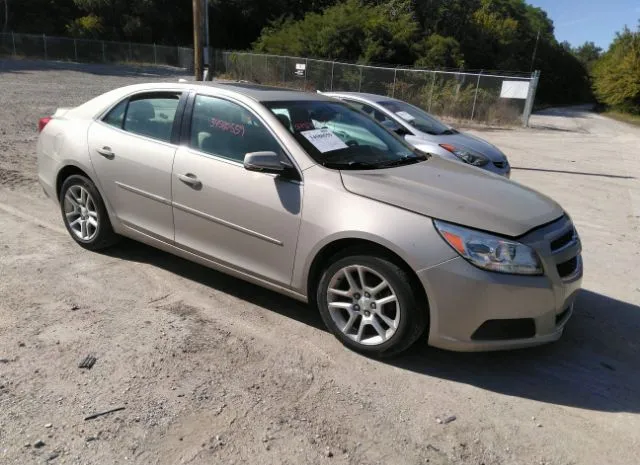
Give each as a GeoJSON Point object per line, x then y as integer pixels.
{"type": "Point", "coordinates": [465, 300]}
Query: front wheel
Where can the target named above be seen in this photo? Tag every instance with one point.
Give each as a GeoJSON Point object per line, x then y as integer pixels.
{"type": "Point", "coordinates": [368, 304]}
{"type": "Point", "coordinates": [84, 214]}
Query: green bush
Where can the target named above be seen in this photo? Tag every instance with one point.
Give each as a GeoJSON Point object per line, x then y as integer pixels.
{"type": "Point", "coordinates": [616, 76]}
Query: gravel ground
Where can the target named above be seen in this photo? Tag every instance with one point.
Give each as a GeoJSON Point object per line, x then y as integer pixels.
{"type": "Point", "coordinates": [210, 369]}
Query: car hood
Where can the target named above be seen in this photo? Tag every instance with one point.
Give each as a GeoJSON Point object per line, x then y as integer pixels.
{"type": "Point", "coordinates": [470, 142]}
{"type": "Point", "coordinates": [457, 193]}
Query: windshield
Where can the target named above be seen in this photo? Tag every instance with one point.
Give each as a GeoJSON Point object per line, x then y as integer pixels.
{"type": "Point", "coordinates": [341, 137]}
{"type": "Point", "coordinates": [419, 119]}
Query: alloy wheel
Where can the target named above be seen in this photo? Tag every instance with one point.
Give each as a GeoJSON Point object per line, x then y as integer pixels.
{"type": "Point", "coordinates": [81, 213]}
{"type": "Point", "coordinates": [363, 305]}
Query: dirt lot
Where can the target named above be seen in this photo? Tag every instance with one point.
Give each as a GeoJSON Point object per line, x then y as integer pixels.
{"type": "Point", "coordinates": [213, 370]}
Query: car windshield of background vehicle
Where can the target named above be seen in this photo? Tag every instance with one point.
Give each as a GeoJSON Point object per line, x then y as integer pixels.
{"type": "Point", "coordinates": [340, 137]}
{"type": "Point", "coordinates": [418, 118]}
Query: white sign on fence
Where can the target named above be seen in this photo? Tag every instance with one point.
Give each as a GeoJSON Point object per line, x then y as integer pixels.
{"type": "Point", "coordinates": [301, 69]}
{"type": "Point", "coordinates": [515, 89]}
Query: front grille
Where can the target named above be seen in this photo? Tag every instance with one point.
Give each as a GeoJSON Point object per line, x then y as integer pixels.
{"type": "Point", "coordinates": [563, 240]}
{"type": "Point", "coordinates": [567, 268]}
{"type": "Point", "coordinates": [500, 330]}
{"type": "Point", "coordinates": [500, 164]}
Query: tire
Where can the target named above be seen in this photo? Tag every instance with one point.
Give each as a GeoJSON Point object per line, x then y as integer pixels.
{"type": "Point", "coordinates": [84, 214]}
{"type": "Point", "coordinates": [407, 312]}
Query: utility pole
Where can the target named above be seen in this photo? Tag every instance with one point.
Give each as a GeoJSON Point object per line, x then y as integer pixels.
{"type": "Point", "coordinates": [197, 39]}
{"type": "Point", "coordinates": [205, 10]}
{"type": "Point", "coordinates": [535, 49]}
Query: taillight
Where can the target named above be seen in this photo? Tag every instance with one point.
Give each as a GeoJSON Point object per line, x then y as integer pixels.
{"type": "Point", "coordinates": [42, 122]}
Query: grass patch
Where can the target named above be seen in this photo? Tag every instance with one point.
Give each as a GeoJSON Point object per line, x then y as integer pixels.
{"type": "Point", "coordinates": [624, 117]}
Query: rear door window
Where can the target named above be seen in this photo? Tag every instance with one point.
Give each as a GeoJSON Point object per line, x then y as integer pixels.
{"type": "Point", "coordinates": [115, 117]}
{"type": "Point", "coordinates": [150, 115]}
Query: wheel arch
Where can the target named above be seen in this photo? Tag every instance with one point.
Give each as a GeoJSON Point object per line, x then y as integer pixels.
{"type": "Point", "coordinates": [67, 171]}
{"type": "Point", "coordinates": [70, 168]}
{"type": "Point", "coordinates": [360, 245]}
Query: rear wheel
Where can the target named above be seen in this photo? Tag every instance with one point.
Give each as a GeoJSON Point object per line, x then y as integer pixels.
{"type": "Point", "coordinates": [368, 304]}
{"type": "Point", "coordinates": [84, 213]}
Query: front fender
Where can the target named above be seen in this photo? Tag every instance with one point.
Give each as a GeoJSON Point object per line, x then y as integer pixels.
{"type": "Point", "coordinates": [331, 213]}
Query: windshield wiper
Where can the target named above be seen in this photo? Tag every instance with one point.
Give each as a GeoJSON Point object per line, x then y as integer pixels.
{"type": "Point", "coordinates": [448, 132]}
{"type": "Point", "coordinates": [351, 165]}
{"type": "Point", "coordinates": [401, 161]}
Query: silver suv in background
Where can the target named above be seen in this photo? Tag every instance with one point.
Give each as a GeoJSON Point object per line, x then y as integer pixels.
{"type": "Point", "coordinates": [427, 133]}
{"type": "Point", "coordinates": [307, 196]}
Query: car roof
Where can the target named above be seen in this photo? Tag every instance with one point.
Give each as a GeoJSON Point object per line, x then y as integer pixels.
{"type": "Point", "coordinates": [257, 92]}
{"type": "Point", "coordinates": [363, 95]}
{"type": "Point", "coordinates": [263, 93]}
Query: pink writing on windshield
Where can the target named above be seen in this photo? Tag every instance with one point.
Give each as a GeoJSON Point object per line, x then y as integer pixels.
{"type": "Point", "coordinates": [233, 128]}
{"type": "Point", "coordinates": [303, 126]}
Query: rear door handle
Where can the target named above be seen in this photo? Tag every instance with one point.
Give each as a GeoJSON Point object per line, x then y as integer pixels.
{"type": "Point", "coordinates": [191, 180]}
{"type": "Point", "coordinates": [106, 152]}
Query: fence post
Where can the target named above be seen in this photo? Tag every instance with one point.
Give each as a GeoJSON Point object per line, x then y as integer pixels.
{"type": "Point", "coordinates": [284, 71]}
{"type": "Point", "coordinates": [104, 55]}
{"type": "Point", "coordinates": [44, 41]}
{"type": "Point", "coordinates": [433, 83]}
{"type": "Point", "coordinates": [13, 40]}
{"type": "Point", "coordinates": [475, 97]}
{"type": "Point", "coordinates": [360, 83]}
{"type": "Point", "coordinates": [75, 49]}
{"type": "Point", "coordinates": [155, 54]}
{"type": "Point", "coordinates": [306, 70]}
{"type": "Point", "coordinates": [333, 65]}
{"type": "Point", "coordinates": [531, 96]}
{"type": "Point", "coordinates": [130, 53]}
{"type": "Point", "coordinates": [393, 90]}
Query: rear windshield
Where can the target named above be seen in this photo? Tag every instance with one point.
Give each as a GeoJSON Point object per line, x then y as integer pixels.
{"type": "Point", "coordinates": [419, 119]}
{"type": "Point", "coordinates": [338, 136]}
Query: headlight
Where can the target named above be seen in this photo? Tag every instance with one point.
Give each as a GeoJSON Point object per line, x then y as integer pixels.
{"type": "Point", "coordinates": [466, 155]}
{"type": "Point", "coordinates": [490, 252]}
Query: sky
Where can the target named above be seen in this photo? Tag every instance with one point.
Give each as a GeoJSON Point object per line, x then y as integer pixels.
{"type": "Point", "coordinates": [578, 21]}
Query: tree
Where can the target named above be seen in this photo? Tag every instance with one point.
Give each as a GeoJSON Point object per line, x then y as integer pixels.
{"type": "Point", "coordinates": [588, 53]}
{"type": "Point", "coordinates": [347, 31]}
{"type": "Point", "coordinates": [616, 76]}
{"type": "Point", "coordinates": [89, 26]}
{"type": "Point", "coordinates": [40, 16]}
{"type": "Point", "coordinates": [439, 52]}
{"type": "Point", "coordinates": [237, 24]}
{"type": "Point", "coordinates": [6, 16]}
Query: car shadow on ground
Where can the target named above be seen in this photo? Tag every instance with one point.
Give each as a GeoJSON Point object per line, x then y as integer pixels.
{"type": "Point", "coordinates": [109, 69]}
{"type": "Point", "coordinates": [134, 251]}
{"type": "Point", "coordinates": [595, 366]}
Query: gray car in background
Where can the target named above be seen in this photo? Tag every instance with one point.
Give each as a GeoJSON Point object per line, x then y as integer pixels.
{"type": "Point", "coordinates": [427, 133]}
{"type": "Point", "coordinates": [307, 196]}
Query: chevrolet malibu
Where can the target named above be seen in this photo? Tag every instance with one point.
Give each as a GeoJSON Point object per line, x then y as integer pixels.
{"type": "Point", "coordinates": [389, 243]}
{"type": "Point", "coordinates": [427, 133]}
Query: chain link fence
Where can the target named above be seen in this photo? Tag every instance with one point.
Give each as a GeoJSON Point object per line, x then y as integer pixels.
{"type": "Point", "coordinates": [485, 97]}
{"type": "Point", "coordinates": [92, 51]}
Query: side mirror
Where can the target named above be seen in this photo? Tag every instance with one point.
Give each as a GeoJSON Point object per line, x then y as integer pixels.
{"type": "Point", "coordinates": [264, 162]}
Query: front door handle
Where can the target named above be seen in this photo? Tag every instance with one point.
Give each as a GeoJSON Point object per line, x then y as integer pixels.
{"type": "Point", "coordinates": [191, 180]}
{"type": "Point", "coordinates": [106, 152]}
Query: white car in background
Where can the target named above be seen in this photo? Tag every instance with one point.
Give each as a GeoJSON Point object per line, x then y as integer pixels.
{"type": "Point", "coordinates": [427, 133]}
